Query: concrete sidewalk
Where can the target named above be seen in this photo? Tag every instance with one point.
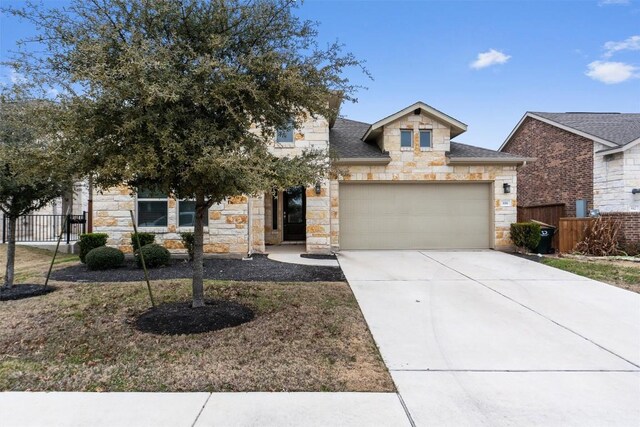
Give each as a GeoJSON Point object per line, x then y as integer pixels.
{"type": "Point", "coordinates": [487, 338]}
{"type": "Point", "coordinates": [200, 409]}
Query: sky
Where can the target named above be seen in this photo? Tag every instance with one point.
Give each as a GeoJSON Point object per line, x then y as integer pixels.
{"type": "Point", "coordinates": [484, 63]}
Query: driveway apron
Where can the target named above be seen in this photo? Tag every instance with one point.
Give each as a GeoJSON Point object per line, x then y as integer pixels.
{"type": "Point", "coordinates": [487, 338]}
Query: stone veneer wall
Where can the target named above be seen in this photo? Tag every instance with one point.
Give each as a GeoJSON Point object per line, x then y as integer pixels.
{"type": "Point", "coordinates": [430, 166]}
{"type": "Point", "coordinates": [615, 175]}
{"type": "Point", "coordinates": [227, 231]}
{"type": "Point", "coordinates": [563, 171]}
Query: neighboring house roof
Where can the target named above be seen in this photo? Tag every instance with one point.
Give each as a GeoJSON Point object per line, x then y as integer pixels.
{"type": "Point", "coordinates": [618, 131]}
{"type": "Point", "coordinates": [457, 127]}
{"type": "Point", "coordinates": [345, 139]}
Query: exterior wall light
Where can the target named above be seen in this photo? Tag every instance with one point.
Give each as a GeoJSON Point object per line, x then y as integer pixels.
{"type": "Point", "coordinates": [506, 188]}
{"type": "Point", "coordinates": [635, 191]}
{"type": "Point", "coordinates": [318, 188]}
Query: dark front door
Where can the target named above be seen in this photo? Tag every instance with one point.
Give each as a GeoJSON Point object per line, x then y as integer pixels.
{"type": "Point", "coordinates": [294, 206]}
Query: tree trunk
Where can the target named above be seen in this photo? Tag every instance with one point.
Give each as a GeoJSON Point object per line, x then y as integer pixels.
{"type": "Point", "coordinates": [11, 253]}
{"type": "Point", "coordinates": [197, 285]}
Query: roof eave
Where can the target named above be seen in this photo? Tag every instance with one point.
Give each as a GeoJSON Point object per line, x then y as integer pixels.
{"type": "Point", "coordinates": [353, 161]}
{"type": "Point", "coordinates": [620, 149]}
{"type": "Point", "coordinates": [517, 161]}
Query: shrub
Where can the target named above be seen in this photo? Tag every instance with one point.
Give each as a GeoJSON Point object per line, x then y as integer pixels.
{"type": "Point", "coordinates": [601, 239]}
{"type": "Point", "coordinates": [526, 235]}
{"type": "Point", "coordinates": [89, 241]}
{"type": "Point", "coordinates": [188, 241]}
{"type": "Point", "coordinates": [154, 256]}
{"type": "Point", "coordinates": [104, 258]}
{"type": "Point", "coordinates": [145, 239]}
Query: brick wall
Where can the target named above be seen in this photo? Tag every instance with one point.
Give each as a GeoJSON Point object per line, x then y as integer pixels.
{"type": "Point", "coordinates": [630, 225]}
{"type": "Point", "coordinates": [563, 172]}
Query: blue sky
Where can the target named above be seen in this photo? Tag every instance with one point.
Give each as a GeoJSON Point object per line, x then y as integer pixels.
{"type": "Point", "coordinates": [534, 56]}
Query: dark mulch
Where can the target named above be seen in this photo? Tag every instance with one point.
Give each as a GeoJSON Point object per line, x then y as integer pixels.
{"type": "Point", "coordinates": [258, 269]}
{"type": "Point", "coordinates": [319, 256]}
{"type": "Point", "coordinates": [180, 318]}
{"type": "Point", "coordinates": [23, 291]}
{"type": "Point", "coordinates": [530, 257]}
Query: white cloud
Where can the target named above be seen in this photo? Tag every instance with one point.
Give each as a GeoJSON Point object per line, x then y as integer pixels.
{"type": "Point", "coordinates": [611, 72]}
{"type": "Point", "coordinates": [489, 58]}
{"type": "Point", "coordinates": [16, 77]}
{"type": "Point", "coordinates": [606, 2]}
{"type": "Point", "coordinates": [632, 43]}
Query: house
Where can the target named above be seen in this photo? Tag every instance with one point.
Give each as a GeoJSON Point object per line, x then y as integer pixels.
{"type": "Point", "coordinates": [401, 184]}
{"type": "Point", "coordinates": [584, 159]}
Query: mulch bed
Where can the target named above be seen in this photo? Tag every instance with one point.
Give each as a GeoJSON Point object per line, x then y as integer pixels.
{"type": "Point", "coordinates": [180, 318]}
{"type": "Point", "coordinates": [530, 257]}
{"type": "Point", "coordinates": [258, 269]}
{"type": "Point", "coordinates": [24, 291]}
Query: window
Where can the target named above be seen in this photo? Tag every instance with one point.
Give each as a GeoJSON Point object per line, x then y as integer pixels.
{"type": "Point", "coordinates": [187, 214]}
{"type": "Point", "coordinates": [285, 135]}
{"type": "Point", "coordinates": [425, 139]}
{"type": "Point", "coordinates": [152, 208]}
{"type": "Point", "coordinates": [406, 139]}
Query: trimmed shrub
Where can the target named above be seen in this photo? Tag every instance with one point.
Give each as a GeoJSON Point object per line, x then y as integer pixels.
{"type": "Point", "coordinates": [89, 241]}
{"type": "Point", "coordinates": [154, 256]}
{"type": "Point", "coordinates": [104, 258]}
{"type": "Point", "coordinates": [526, 235]}
{"type": "Point", "coordinates": [188, 240]}
{"type": "Point", "coordinates": [145, 239]}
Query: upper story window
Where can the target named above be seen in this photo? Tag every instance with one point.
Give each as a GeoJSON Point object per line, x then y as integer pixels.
{"type": "Point", "coordinates": [285, 135]}
{"type": "Point", "coordinates": [406, 139]}
{"type": "Point", "coordinates": [152, 208]}
{"type": "Point", "coordinates": [425, 139]}
{"type": "Point", "coordinates": [187, 214]}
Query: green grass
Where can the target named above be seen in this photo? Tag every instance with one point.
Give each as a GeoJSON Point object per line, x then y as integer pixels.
{"type": "Point", "coordinates": [605, 272]}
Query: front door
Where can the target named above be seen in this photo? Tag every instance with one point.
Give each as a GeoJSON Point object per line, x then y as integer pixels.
{"type": "Point", "coordinates": [294, 207]}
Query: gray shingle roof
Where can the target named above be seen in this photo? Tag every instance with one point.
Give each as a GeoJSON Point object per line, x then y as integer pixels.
{"type": "Point", "coordinates": [345, 139]}
{"type": "Point", "coordinates": [618, 128]}
{"type": "Point", "coordinates": [459, 149]}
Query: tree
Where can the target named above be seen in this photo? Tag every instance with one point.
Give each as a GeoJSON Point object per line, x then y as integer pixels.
{"type": "Point", "coordinates": [186, 95]}
{"type": "Point", "coordinates": [33, 168]}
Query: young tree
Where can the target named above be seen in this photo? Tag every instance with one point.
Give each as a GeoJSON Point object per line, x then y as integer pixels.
{"type": "Point", "coordinates": [33, 169]}
{"type": "Point", "coordinates": [185, 95]}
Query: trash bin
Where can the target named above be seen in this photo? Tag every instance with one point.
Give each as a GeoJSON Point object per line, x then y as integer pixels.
{"type": "Point", "coordinates": [546, 239]}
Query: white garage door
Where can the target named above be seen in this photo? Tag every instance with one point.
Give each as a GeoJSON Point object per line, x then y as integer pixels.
{"type": "Point", "coordinates": [415, 216]}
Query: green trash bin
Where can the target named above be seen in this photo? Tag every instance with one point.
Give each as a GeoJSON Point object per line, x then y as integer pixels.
{"type": "Point", "coordinates": [546, 240]}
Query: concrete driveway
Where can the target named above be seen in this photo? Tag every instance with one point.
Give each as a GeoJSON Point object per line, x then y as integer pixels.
{"type": "Point", "coordinates": [487, 338]}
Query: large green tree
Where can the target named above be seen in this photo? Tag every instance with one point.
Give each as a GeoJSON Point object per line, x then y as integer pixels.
{"type": "Point", "coordinates": [34, 169]}
{"type": "Point", "coordinates": [185, 95]}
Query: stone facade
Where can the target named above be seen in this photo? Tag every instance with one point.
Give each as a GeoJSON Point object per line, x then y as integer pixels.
{"type": "Point", "coordinates": [563, 171]}
{"type": "Point", "coordinates": [431, 166]}
{"type": "Point", "coordinates": [615, 176]}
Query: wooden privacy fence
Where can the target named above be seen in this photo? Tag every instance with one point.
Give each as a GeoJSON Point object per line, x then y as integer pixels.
{"type": "Point", "coordinates": [572, 232]}
{"type": "Point", "coordinates": [549, 214]}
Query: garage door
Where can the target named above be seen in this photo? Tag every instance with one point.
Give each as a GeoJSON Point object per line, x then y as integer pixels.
{"type": "Point", "coordinates": [415, 216]}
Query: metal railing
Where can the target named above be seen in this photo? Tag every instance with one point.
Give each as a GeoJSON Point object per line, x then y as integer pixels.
{"type": "Point", "coordinates": [46, 228]}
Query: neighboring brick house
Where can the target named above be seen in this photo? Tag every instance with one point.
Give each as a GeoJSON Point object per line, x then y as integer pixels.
{"type": "Point", "coordinates": [402, 184]}
{"type": "Point", "coordinates": [581, 156]}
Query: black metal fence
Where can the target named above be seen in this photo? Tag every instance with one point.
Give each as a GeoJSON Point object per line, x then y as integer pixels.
{"type": "Point", "coordinates": [46, 228]}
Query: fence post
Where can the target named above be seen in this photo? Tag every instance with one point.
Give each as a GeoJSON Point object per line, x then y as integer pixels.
{"type": "Point", "coordinates": [68, 228]}
{"type": "Point", "coordinates": [84, 223]}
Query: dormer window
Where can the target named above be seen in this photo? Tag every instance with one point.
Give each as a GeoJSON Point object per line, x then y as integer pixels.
{"type": "Point", "coordinates": [285, 135]}
{"type": "Point", "coordinates": [425, 140]}
{"type": "Point", "coordinates": [406, 139]}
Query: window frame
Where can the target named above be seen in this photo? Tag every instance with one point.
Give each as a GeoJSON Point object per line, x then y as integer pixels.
{"type": "Point", "coordinates": [410, 146]}
{"type": "Point", "coordinates": [178, 202]}
{"type": "Point", "coordinates": [430, 146]}
{"type": "Point", "coordinates": [164, 199]}
{"type": "Point", "coordinates": [290, 127]}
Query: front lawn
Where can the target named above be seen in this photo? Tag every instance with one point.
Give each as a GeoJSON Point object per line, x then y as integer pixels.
{"type": "Point", "coordinates": [623, 274]}
{"type": "Point", "coordinates": [305, 337]}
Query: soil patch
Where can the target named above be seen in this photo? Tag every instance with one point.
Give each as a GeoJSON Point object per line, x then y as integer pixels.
{"type": "Point", "coordinates": [179, 318]}
{"type": "Point", "coordinates": [24, 291]}
{"type": "Point", "coordinates": [258, 269]}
